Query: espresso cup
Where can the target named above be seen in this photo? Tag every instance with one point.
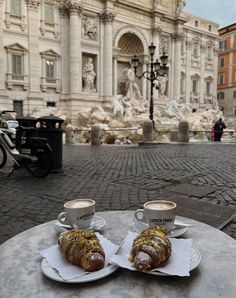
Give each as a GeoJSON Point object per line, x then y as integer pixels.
{"type": "Point", "coordinates": [78, 213]}
{"type": "Point", "coordinates": [157, 213]}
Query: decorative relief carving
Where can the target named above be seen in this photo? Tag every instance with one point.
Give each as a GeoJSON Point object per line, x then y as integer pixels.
{"type": "Point", "coordinates": [89, 27]}
{"type": "Point", "coordinates": [203, 47]}
{"type": "Point", "coordinates": [107, 17]}
{"type": "Point", "coordinates": [34, 4]}
{"type": "Point", "coordinates": [189, 44]}
{"type": "Point", "coordinates": [68, 7]}
{"type": "Point", "coordinates": [178, 36]}
{"type": "Point", "coordinates": [156, 30]}
{"type": "Point", "coordinates": [164, 45]}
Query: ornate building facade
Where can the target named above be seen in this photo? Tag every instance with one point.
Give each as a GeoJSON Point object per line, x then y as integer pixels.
{"type": "Point", "coordinates": [48, 46]}
{"type": "Point", "coordinates": [227, 70]}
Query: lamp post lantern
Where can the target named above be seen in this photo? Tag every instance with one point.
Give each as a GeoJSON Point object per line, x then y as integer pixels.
{"type": "Point", "coordinates": [157, 69]}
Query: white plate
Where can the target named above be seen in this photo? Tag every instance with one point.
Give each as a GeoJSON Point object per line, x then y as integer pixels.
{"type": "Point", "coordinates": [53, 274]}
{"type": "Point", "coordinates": [195, 261]}
{"type": "Point", "coordinates": [175, 232]}
{"type": "Point", "coordinates": [97, 224]}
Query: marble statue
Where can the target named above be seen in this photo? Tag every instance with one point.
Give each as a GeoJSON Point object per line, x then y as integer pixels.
{"type": "Point", "coordinates": [156, 3]}
{"type": "Point", "coordinates": [179, 110]}
{"type": "Point", "coordinates": [122, 107]}
{"type": "Point", "coordinates": [180, 6]}
{"type": "Point", "coordinates": [89, 75]}
{"type": "Point", "coordinates": [132, 88]}
{"type": "Point", "coordinates": [118, 108]}
{"type": "Point", "coordinates": [163, 84]}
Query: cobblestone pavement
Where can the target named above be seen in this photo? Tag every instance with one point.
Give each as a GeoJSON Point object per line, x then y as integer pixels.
{"type": "Point", "coordinates": [117, 177]}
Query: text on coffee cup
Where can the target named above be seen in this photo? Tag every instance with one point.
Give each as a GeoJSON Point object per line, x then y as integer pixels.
{"type": "Point", "coordinates": [160, 220]}
{"type": "Point", "coordinates": [85, 216]}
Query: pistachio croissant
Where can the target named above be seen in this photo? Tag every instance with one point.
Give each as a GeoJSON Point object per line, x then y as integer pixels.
{"type": "Point", "coordinates": [82, 248]}
{"type": "Point", "coordinates": [150, 249]}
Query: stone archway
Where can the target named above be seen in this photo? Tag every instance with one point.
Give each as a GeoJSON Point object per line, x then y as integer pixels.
{"type": "Point", "coordinates": [129, 44]}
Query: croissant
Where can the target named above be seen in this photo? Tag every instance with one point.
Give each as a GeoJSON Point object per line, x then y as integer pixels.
{"type": "Point", "coordinates": [150, 249]}
{"type": "Point", "coordinates": [82, 248]}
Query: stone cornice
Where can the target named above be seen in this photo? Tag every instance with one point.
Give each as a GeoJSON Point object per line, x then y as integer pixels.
{"type": "Point", "coordinates": [33, 4]}
{"type": "Point", "coordinates": [107, 17]}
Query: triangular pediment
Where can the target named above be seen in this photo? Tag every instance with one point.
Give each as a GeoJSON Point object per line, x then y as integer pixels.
{"type": "Point", "coordinates": [50, 52]}
{"type": "Point", "coordinates": [16, 47]}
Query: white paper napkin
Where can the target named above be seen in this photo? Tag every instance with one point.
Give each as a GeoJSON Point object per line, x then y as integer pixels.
{"type": "Point", "coordinates": [68, 271]}
{"type": "Point", "coordinates": [178, 263]}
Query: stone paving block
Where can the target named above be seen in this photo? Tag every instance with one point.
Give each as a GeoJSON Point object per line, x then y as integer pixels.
{"type": "Point", "coordinates": [117, 177]}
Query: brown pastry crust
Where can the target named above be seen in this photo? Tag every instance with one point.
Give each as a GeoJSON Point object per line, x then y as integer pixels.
{"type": "Point", "coordinates": [82, 248]}
{"type": "Point", "coordinates": [150, 249]}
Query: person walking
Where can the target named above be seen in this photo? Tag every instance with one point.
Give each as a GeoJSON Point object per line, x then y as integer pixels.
{"type": "Point", "coordinates": [218, 130]}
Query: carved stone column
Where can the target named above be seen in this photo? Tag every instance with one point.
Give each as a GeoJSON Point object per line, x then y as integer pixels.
{"type": "Point", "coordinates": [75, 48]}
{"type": "Point", "coordinates": [65, 49]}
{"type": "Point", "coordinates": [202, 86]}
{"type": "Point", "coordinates": [156, 32]}
{"type": "Point", "coordinates": [107, 19]}
{"type": "Point", "coordinates": [2, 74]}
{"type": "Point", "coordinates": [177, 60]}
{"type": "Point", "coordinates": [215, 73]}
{"type": "Point", "coordinates": [34, 61]}
{"type": "Point", "coordinates": [115, 57]}
{"type": "Point", "coordinates": [188, 82]}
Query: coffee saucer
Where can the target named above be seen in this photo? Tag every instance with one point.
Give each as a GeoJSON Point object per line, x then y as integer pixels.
{"type": "Point", "coordinates": [97, 224]}
{"type": "Point", "coordinates": [177, 231]}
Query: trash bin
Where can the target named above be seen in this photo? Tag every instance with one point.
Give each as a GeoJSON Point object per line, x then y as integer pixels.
{"type": "Point", "coordinates": [27, 126]}
{"type": "Point", "coordinates": [50, 128]}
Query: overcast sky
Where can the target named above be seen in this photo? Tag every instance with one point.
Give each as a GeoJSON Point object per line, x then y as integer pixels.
{"type": "Point", "coordinates": [222, 12]}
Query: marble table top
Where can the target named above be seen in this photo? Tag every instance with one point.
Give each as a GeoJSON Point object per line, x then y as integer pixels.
{"type": "Point", "coordinates": [21, 274]}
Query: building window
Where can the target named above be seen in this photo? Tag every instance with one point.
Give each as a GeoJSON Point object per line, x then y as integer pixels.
{"type": "Point", "coordinates": [195, 50]}
{"type": "Point", "coordinates": [209, 28]}
{"type": "Point", "coordinates": [50, 68]}
{"type": "Point", "coordinates": [16, 7]}
{"type": "Point", "coordinates": [221, 79]}
{"type": "Point", "coordinates": [222, 45]}
{"type": "Point", "coordinates": [49, 13]}
{"type": "Point", "coordinates": [209, 53]}
{"type": "Point", "coordinates": [195, 87]}
{"type": "Point", "coordinates": [234, 93]}
{"type": "Point", "coordinates": [234, 111]}
{"type": "Point", "coordinates": [220, 95]}
{"type": "Point", "coordinates": [51, 104]}
{"type": "Point", "coordinates": [222, 62]}
{"type": "Point", "coordinates": [196, 23]}
{"type": "Point", "coordinates": [208, 88]}
{"type": "Point", "coordinates": [182, 84]}
{"type": "Point", "coordinates": [17, 65]}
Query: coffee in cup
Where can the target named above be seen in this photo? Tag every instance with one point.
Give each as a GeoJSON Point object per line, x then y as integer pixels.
{"type": "Point", "coordinates": [157, 213]}
{"type": "Point", "coordinates": [78, 213]}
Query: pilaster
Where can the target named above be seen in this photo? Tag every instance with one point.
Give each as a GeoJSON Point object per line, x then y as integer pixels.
{"type": "Point", "coordinates": [177, 37]}
{"type": "Point", "coordinates": [75, 49]}
{"type": "Point", "coordinates": [2, 74]}
{"type": "Point", "coordinates": [156, 32]}
{"type": "Point", "coordinates": [106, 18]}
{"type": "Point", "coordinates": [188, 82]}
{"type": "Point", "coordinates": [202, 87]}
{"type": "Point", "coordinates": [34, 61]}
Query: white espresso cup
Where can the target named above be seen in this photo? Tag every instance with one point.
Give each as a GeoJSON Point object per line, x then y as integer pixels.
{"type": "Point", "coordinates": [157, 213]}
{"type": "Point", "coordinates": [78, 213]}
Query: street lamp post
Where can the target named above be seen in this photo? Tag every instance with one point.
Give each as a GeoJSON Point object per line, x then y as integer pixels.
{"type": "Point", "coordinates": [157, 69]}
